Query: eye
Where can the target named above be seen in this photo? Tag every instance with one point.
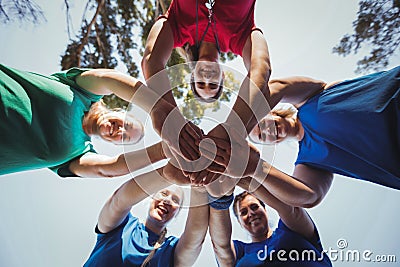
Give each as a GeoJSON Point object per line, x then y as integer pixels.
{"type": "Point", "coordinates": [243, 212]}
{"type": "Point", "coordinates": [200, 85]}
{"type": "Point", "coordinates": [164, 194]}
{"type": "Point", "coordinates": [254, 207]}
{"type": "Point", "coordinates": [214, 86]}
{"type": "Point", "coordinates": [175, 200]}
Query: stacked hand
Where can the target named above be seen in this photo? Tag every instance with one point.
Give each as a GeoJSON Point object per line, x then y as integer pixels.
{"type": "Point", "coordinates": [222, 151]}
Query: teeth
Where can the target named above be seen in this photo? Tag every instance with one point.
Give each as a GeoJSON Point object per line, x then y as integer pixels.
{"type": "Point", "coordinates": [112, 129]}
{"type": "Point", "coordinates": [163, 209]}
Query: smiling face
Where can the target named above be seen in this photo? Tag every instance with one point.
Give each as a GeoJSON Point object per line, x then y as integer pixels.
{"type": "Point", "coordinates": [116, 128]}
{"type": "Point", "coordinates": [252, 216]}
{"type": "Point", "coordinates": [207, 78]}
{"type": "Point", "coordinates": [165, 205]}
{"type": "Point", "coordinates": [272, 129]}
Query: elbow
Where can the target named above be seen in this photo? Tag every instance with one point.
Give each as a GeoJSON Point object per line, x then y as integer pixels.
{"type": "Point", "coordinates": [310, 200]}
{"type": "Point", "coordinates": [116, 202]}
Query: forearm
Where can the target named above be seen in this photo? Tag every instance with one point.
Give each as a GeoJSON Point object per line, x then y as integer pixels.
{"type": "Point", "coordinates": [220, 228]}
{"type": "Point", "coordinates": [285, 187]}
{"type": "Point", "coordinates": [95, 165]}
{"type": "Point", "coordinates": [192, 239]}
{"type": "Point", "coordinates": [130, 193]}
{"type": "Point", "coordinates": [252, 103]}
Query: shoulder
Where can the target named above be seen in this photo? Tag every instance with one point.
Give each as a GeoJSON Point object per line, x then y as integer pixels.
{"type": "Point", "coordinates": [285, 234]}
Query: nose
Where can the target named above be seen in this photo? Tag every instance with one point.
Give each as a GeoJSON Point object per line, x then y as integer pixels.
{"type": "Point", "coordinates": [167, 200]}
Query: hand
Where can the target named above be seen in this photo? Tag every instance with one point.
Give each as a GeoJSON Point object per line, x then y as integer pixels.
{"type": "Point", "coordinates": [176, 131]}
{"type": "Point", "coordinates": [236, 158]}
{"type": "Point", "coordinates": [174, 175]}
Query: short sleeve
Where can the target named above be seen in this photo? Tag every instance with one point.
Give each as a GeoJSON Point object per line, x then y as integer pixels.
{"type": "Point", "coordinates": [239, 249]}
{"type": "Point", "coordinates": [68, 77]}
{"type": "Point", "coordinates": [63, 170]}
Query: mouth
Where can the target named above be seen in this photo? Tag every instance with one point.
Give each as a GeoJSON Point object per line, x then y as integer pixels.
{"type": "Point", "coordinates": [254, 221]}
{"type": "Point", "coordinates": [163, 209]}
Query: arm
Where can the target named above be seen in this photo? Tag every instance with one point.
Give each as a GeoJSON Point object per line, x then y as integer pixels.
{"type": "Point", "coordinates": [306, 188]}
{"type": "Point", "coordinates": [130, 193]}
{"type": "Point", "coordinates": [297, 219]}
{"type": "Point", "coordinates": [294, 90]}
{"type": "Point", "coordinates": [95, 165]}
{"type": "Point", "coordinates": [220, 232]}
{"type": "Point", "coordinates": [252, 102]}
{"type": "Point", "coordinates": [108, 81]}
{"type": "Point", "coordinates": [191, 241]}
{"type": "Point", "coordinates": [167, 120]}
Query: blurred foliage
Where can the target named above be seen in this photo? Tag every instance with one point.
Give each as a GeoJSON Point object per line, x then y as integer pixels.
{"type": "Point", "coordinates": [378, 26]}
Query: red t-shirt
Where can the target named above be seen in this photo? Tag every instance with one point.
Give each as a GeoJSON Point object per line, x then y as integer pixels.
{"type": "Point", "coordinates": [234, 22]}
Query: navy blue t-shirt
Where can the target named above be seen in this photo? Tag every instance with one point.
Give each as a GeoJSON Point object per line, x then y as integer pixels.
{"type": "Point", "coordinates": [283, 248]}
{"type": "Point", "coordinates": [129, 244]}
{"type": "Point", "coordinates": [353, 129]}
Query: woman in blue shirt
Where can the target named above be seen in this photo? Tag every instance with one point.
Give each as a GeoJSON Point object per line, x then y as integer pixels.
{"type": "Point", "coordinates": [124, 241]}
{"type": "Point", "coordinates": [350, 128]}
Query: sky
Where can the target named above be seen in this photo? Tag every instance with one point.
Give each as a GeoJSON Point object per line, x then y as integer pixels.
{"type": "Point", "coordinates": [47, 221]}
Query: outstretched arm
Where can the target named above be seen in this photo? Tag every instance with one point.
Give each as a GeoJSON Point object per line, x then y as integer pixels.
{"type": "Point", "coordinates": [294, 90]}
{"type": "Point", "coordinates": [191, 241]}
{"type": "Point", "coordinates": [220, 232]}
{"type": "Point", "coordinates": [306, 188]}
{"type": "Point", "coordinates": [95, 165]}
{"type": "Point", "coordinates": [130, 193]}
{"type": "Point", "coordinates": [167, 120]}
{"type": "Point", "coordinates": [253, 100]}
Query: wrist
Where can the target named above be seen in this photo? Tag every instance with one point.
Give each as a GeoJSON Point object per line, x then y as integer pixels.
{"type": "Point", "coordinates": [220, 203]}
{"type": "Point", "coordinates": [261, 171]}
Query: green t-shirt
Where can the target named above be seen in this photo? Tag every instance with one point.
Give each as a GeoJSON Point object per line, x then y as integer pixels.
{"type": "Point", "coordinates": [41, 120]}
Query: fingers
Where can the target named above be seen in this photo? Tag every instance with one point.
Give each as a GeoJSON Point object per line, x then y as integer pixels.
{"type": "Point", "coordinates": [211, 177]}
{"type": "Point", "coordinates": [216, 168]}
{"type": "Point", "coordinates": [218, 154]}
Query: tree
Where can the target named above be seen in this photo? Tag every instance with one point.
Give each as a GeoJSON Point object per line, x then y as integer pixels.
{"type": "Point", "coordinates": [20, 10]}
{"type": "Point", "coordinates": [114, 32]}
{"type": "Point", "coordinates": [377, 25]}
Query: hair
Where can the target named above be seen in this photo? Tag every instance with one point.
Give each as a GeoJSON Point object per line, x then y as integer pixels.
{"type": "Point", "coordinates": [157, 245]}
{"type": "Point", "coordinates": [239, 198]}
{"type": "Point", "coordinates": [284, 111]}
{"type": "Point", "coordinates": [162, 237]}
{"type": "Point", "coordinates": [99, 108]}
{"type": "Point", "coordinates": [191, 55]}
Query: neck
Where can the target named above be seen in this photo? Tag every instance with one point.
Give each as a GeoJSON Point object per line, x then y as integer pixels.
{"type": "Point", "coordinates": [154, 227]}
{"type": "Point", "coordinates": [299, 130]}
{"type": "Point", "coordinates": [262, 237]}
{"type": "Point", "coordinates": [208, 52]}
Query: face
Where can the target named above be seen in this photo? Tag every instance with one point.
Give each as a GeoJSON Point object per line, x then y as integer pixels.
{"type": "Point", "coordinates": [252, 216]}
{"type": "Point", "coordinates": [116, 128]}
{"type": "Point", "coordinates": [271, 129]}
{"type": "Point", "coordinates": [207, 77]}
{"type": "Point", "coordinates": [166, 204]}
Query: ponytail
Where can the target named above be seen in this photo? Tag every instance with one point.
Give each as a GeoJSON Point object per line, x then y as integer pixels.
{"type": "Point", "coordinates": [157, 245]}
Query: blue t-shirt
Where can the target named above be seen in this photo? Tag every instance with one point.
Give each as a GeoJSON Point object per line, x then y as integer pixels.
{"type": "Point", "coordinates": [129, 244]}
{"type": "Point", "coordinates": [353, 129]}
{"type": "Point", "coordinates": [283, 248]}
